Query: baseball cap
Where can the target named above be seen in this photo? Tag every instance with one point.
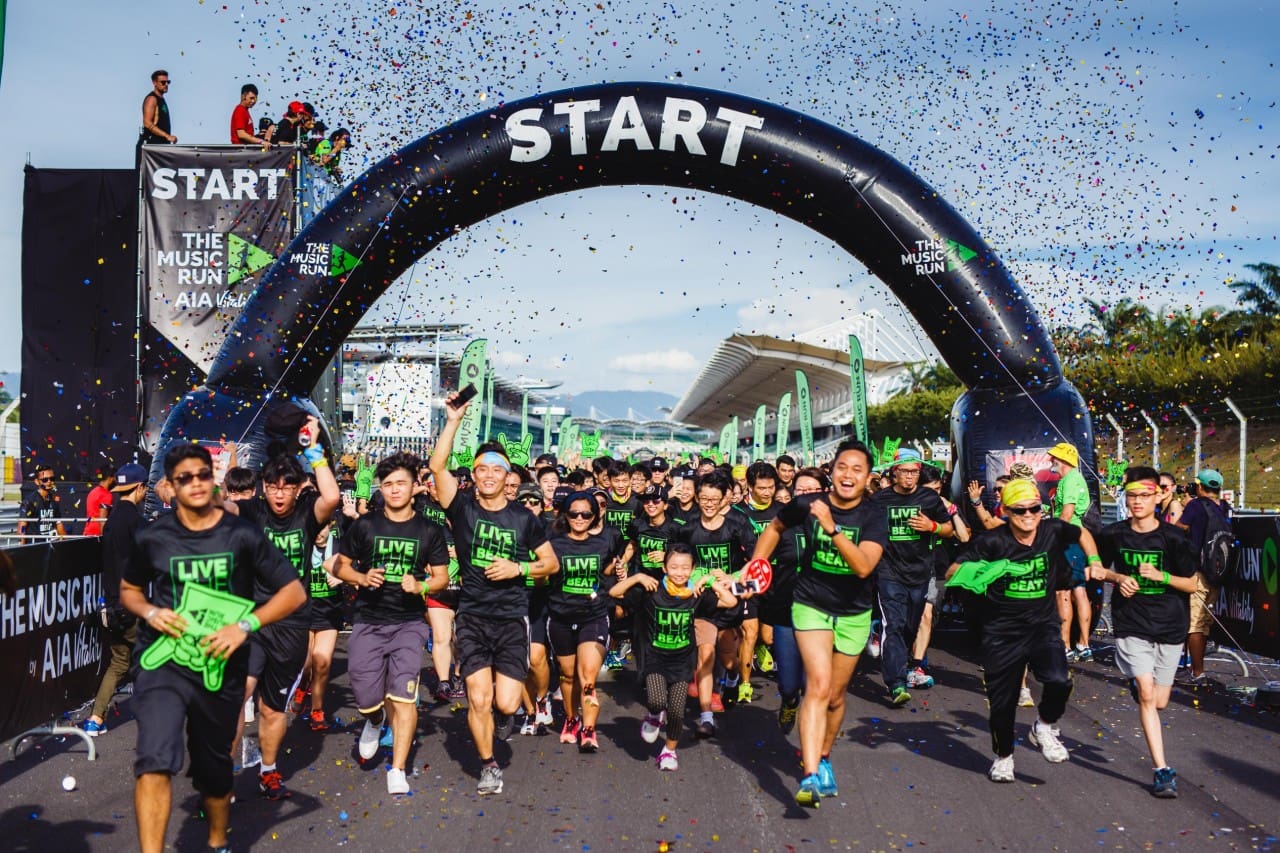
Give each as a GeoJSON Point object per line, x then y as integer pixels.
{"type": "Point", "coordinates": [1209, 478]}
{"type": "Point", "coordinates": [657, 463]}
{"type": "Point", "coordinates": [907, 456]}
{"type": "Point", "coordinates": [296, 107]}
{"type": "Point", "coordinates": [528, 490]}
{"type": "Point", "coordinates": [131, 474]}
{"type": "Point", "coordinates": [561, 493]}
{"type": "Point", "coordinates": [653, 491]}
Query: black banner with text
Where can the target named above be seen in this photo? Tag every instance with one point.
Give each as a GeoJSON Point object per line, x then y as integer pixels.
{"type": "Point", "coordinates": [1248, 606]}
{"type": "Point", "coordinates": [50, 633]}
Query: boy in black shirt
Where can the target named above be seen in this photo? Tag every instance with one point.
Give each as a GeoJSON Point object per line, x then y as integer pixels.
{"type": "Point", "coordinates": [1022, 627]}
{"type": "Point", "coordinates": [495, 541]}
{"type": "Point", "coordinates": [202, 566]}
{"type": "Point", "coordinates": [1152, 567]}
{"type": "Point", "coordinates": [386, 555]}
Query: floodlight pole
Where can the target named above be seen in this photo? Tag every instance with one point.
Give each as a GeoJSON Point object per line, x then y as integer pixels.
{"type": "Point", "coordinates": [1195, 463]}
{"type": "Point", "coordinates": [1155, 439]}
{"type": "Point", "coordinates": [1243, 444]}
{"type": "Point", "coordinates": [1119, 436]}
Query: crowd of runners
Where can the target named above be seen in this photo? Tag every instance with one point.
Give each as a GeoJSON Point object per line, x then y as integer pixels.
{"type": "Point", "coordinates": [526, 583]}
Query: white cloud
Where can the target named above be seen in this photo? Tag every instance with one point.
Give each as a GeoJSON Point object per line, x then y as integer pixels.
{"type": "Point", "coordinates": [656, 361]}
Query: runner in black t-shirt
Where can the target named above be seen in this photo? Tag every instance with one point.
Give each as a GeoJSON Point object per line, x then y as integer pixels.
{"type": "Point", "coordinates": [650, 533]}
{"type": "Point", "coordinates": [682, 508]}
{"type": "Point", "coordinates": [721, 542]}
{"type": "Point", "coordinates": [395, 558]}
{"type": "Point", "coordinates": [1152, 566]}
{"type": "Point", "coordinates": [831, 614]}
{"type": "Point", "coordinates": [442, 607]}
{"type": "Point", "coordinates": [760, 508]}
{"type": "Point", "coordinates": [494, 541]}
{"type": "Point", "coordinates": [912, 515]}
{"type": "Point", "coordinates": [623, 505]}
{"type": "Point", "coordinates": [291, 517]}
{"type": "Point", "coordinates": [202, 566]}
{"type": "Point", "coordinates": [1021, 626]}
{"type": "Point", "coordinates": [578, 627]}
{"type": "Point", "coordinates": [668, 607]}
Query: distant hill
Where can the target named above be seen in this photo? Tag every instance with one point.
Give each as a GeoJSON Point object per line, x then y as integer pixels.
{"type": "Point", "coordinates": [643, 405]}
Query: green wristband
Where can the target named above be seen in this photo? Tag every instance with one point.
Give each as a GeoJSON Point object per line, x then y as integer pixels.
{"type": "Point", "coordinates": [253, 620]}
{"type": "Point", "coordinates": [1166, 578]}
{"type": "Point", "coordinates": [1093, 558]}
{"type": "Point", "coordinates": [525, 568]}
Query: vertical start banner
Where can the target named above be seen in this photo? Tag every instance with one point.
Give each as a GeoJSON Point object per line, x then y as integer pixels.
{"type": "Point", "coordinates": [213, 220]}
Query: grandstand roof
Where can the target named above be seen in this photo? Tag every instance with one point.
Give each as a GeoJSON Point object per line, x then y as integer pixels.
{"type": "Point", "coordinates": [747, 370]}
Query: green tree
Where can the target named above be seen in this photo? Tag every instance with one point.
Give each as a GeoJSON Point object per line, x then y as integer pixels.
{"type": "Point", "coordinates": [1262, 296]}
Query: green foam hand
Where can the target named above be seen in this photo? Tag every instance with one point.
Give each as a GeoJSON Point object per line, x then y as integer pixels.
{"type": "Point", "coordinates": [517, 451]}
{"type": "Point", "coordinates": [364, 479]}
{"type": "Point", "coordinates": [205, 611]}
{"type": "Point", "coordinates": [590, 444]}
{"type": "Point", "coordinates": [1116, 469]}
{"type": "Point", "coordinates": [462, 458]}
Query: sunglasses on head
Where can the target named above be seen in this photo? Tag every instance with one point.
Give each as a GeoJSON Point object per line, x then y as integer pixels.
{"type": "Point", "coordinates": [579, 514]}
{"type": "Point", "coordinates": [1023, 510]}
{"type": "Point", "coordinates": [204, 475]}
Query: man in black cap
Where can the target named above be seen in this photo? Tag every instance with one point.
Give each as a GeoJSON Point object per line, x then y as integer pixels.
{"type": "Point", "coordinates": [130, 488]}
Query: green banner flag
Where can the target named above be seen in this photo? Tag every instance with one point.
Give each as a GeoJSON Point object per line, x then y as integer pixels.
{"type": "Point", "coordinates": [566, 432]}
{"type": "Point", "coordinates": [757, 435]}
{"type": "Point", "coordinates": [784, 423]}
{"type": "Point", "coordinates": [471, 372]}
{"type": "Point", "coordinates": [806, 417]}
{"type": "Point", "coordinates": [488, 400]}
{"type": "Point", "coordinates": [546, 429]}
{"type": "Point", "coordinates": [524, 415]}
{"type": "Point", "coordinates": [858, 389]}
{"type": "Point", "coordinates": [729, 441]}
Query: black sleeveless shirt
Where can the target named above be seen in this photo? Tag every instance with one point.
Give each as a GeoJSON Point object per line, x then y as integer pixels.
{"type": "Point", "coordinates": [162, 122]}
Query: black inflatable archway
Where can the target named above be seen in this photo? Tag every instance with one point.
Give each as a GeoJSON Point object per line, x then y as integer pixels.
{"type": "Point", "coordinates": [654, 134]}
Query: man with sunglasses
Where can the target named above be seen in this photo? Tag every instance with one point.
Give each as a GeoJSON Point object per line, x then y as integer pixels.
{"type": "Point", "coordinates": [156, 129]}
{"type": "Point", "coordinates": [1021, 627]}
{"type": "Point", "coordinates": [43, 507]}
{"type": "Point", "coordinates": [190, 688]}
{"type": "Point", "coordinates": [291, 519]}
{"type": "Point", "coordinates": [499, 547]}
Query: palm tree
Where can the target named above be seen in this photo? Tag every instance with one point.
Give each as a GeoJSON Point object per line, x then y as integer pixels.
{"type": "Point", "coordinates": [1260, 297]}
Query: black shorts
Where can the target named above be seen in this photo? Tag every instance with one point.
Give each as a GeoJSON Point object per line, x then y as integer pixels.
{"type": "Point", "coordinates": [277, 654]}
{"type": "Point", "coordinates": [539, 614]}
{"type": "Point", "coordinates": [326, 614]}
{"type": "Point", "coordinates": [567, 636]}
{"type": "Point", "coordinates": [482, 643]}
{"type": "Point", "coordinates": [750, 608]}
{"type": "Point", "coordinates": [166, 704]}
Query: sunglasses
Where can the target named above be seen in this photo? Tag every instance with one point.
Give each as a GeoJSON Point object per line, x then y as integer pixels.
{"type": "Point", "coordinates": [653, 500]}
{"type": "Point", "coordinates": [204, 475]}
{"type": "Point", "coordinates": [531, 501]}
{"type": "Point", "coordinates": [1023, 510]}
{"type": "Point", "coordinates": [580, 514]}
{"type": "Point", "coordinates": [45, 480]}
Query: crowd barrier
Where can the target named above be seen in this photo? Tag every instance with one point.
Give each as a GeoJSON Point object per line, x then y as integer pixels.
{"type": "Point", "coordinates": [51, 652]}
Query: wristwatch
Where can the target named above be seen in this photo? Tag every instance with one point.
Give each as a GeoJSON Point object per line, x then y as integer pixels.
{"type": "Point", "coordinates": [245, 625]}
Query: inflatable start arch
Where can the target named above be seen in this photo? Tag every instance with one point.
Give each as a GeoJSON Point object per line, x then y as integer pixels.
{"type": "Point", "coordinates": [653, 134]}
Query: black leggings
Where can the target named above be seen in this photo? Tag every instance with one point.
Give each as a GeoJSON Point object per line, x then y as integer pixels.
{"type": "Point", "coordinates": [670, 696]}
{"type": "Point", "coordinates": [1005, 656]}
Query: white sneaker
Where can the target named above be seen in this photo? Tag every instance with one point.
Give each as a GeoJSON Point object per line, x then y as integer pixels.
{"type": "Point", "coordinates": [369, 737]}
{"type": "Point", "coordinates": [1001, 770]}
{"type": "Point", "coordinates": [1049, 740]}
{"type": "Point", "coordinates": [543, 717]}
{"type": "Point", "coordinates": [528, 727]}
{"type": "Point", "coordinates": [1024, 698]}
{"type": "Point", "coordinates": [396, 782]}
{"type": "Point", "coordinates": [667, 760]}
{"type": "Point", "coordinates": [650, 727]}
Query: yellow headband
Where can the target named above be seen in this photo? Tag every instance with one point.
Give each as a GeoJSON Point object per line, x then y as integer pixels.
{"type": "Point", "coordinates": [1018, 491]}
{"type": "Point", "coordinates": [1140, 486]}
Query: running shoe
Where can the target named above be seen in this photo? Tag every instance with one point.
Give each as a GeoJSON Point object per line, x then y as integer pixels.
{"type": "Point", "coordinates": [503, 725]}
{"type": "Point", "coordinates": [717, 704]}
{"type": "Point", "coordinates": [900, 696]}
{"type": "Point", "coordinates": [490, 780]}
{"type": "Point", "coordinates": [693, 689]}
{"type": "Point", "coordinates": [544, 716]}
{"type": "Point", "coordinates": [650, 726]}
{"type": "Point", "coordinates": [93, 729]}
{"type": "Point", "coordinates": [873, 641]}
{"type": "Point", "coordinates": [1049, 740]}
{"type": "Point", "coordinates": [729, 691]}
{"type": "Point", "coordinates": [569, 734]}
{"type": "Point", "coordinates": [1071, 655]}
{"type": "Point", "coordinates": [528, 727]}
{"type": "Point", "coordinates": [298, 701]}
{"type": "Point", "coordinates": [1165, 785]}
{"type": "Point", "coordinates": [388, 739]}
{"type": "Point", "coordinates": [746, 692]}
{"type": "Point", "coordinates": [1084, 654]}
{"type": "Point", "coordinates": [667, 760]}
{"type": "Point", "coordinates": [396, 781]}
{"type": "Point", "coordinates": [918, 678]}
{"type": "Point", "coordinates": [317, 721]}
{"type": "Point", "coordinates": [271, 785]}
{"type": "Point", "coordinates": [369, 737]}
{"type": "Point", "coordinates": [443, 691]}
{"type": "Point", "coordinates": [827, 779]}
{"type": "Point", "coordinates": [1001, 770]}
{"type": "Point", "coordinates": [705, 729]}
{"type": "Point", "coordinates": [587, 741]}
{"type": "Point", "coordinates": [1024, 698]}
{"type": "Point", "coordinates": [613, 661]}
{"type": "Point", "coordinates": [764, 659]}
{"type": "Point", "coordinates": [787, 716]}
{"type": "Point", "coordinates": [809, 794]}
{"type": "Point", "coordinates": [624, 649]}
{"type": "Point", "coordinates": [458, 692]}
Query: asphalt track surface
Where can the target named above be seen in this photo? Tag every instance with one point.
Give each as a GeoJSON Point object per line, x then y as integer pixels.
{"type": "Point", "coordinates": [910, 778]}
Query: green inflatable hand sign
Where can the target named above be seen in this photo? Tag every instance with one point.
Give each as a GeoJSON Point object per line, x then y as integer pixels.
{"type": "Point", "coordinates": [206, 610]}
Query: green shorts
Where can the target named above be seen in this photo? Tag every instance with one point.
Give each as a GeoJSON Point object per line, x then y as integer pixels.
{"type": "Point", "coordinates": [851, 632]}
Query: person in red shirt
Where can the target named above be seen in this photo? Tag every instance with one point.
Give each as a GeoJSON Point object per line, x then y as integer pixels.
{"type": "Point", "coordinates": [242, 122]}
{"type": "Point", "coordinates": [98, 503]}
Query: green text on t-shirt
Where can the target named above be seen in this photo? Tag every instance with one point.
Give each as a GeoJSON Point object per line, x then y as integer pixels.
{"type": "Point", "coordinates": [900, 529]}
{"type": "Point", "coordinates": [290, 543]}
{"type": "Point", "coordinates": [672, 632]}
{"type": "Point", "coordinates": [1034, 584]}
{"type": "Point", "coordinates": [398, 556]}
{"type": "Point", "coordinates": [490, 543]}
{"type": "Point", "coordinates": [1133, 559]}
{"type": "Point", "coordinates": [208, 570]}
{"type": "Point", "coordinates": [581, 572]}
{"type": "Point", "coordinates": [826, 558]}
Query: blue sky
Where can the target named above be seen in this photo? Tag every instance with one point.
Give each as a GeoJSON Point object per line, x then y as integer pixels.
{"type": "Point", "coordinates": [1103, 149]}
